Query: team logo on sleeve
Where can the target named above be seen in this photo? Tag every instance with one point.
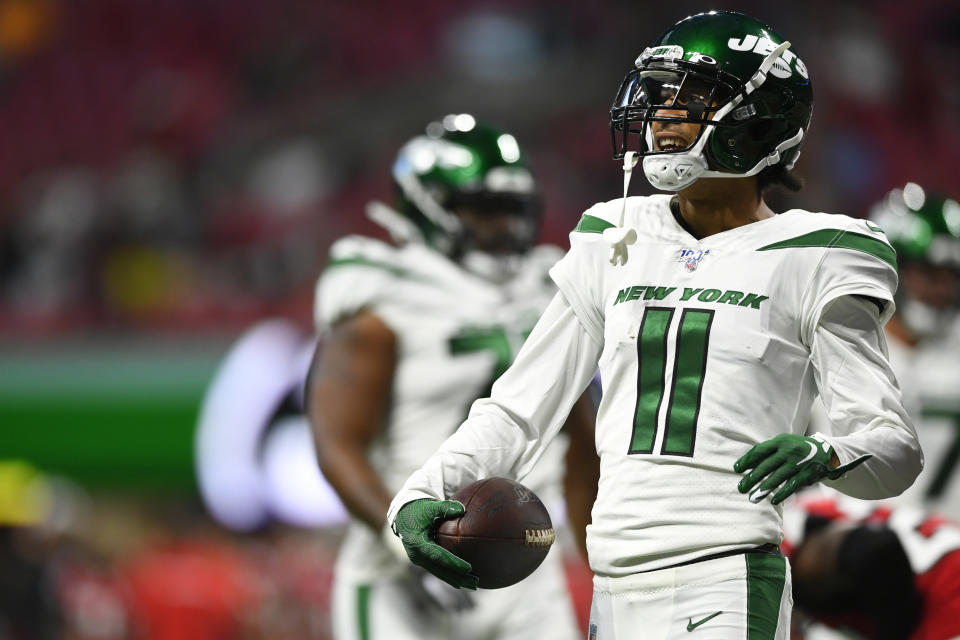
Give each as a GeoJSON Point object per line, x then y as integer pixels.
{"type": "Point", "coordinates": [690, 258]}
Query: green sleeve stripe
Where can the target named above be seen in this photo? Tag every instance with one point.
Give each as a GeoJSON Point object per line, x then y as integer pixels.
{"type": "Point", "coordinates": [830, 238]}
{"type": "Point", "coordinates": [592, 224]}
{"type": "Point", "coordinates": [364, 262]}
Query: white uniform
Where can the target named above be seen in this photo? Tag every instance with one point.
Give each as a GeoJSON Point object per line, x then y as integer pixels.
{"type": "Point", "coordinates": [706, 348]}
{"type": "Point", "coordinates": [455, 334]}
{"type": "Point", "coordinates": [710, 347]}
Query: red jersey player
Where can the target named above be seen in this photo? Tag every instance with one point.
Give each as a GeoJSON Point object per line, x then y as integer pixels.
{"type": "Point", "coordinates": [884, 572]}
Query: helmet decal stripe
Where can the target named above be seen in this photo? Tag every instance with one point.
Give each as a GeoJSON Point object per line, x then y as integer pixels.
{"type": "Point", "coordinates": [430, 207]}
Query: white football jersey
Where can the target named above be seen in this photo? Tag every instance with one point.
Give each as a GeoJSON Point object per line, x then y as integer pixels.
{"type": "Point", "coordinates": [705, 348]}
{"type": "Point", "coordinates": [456, 333]}
{"type": "Point", "coordinates": [706, 352]}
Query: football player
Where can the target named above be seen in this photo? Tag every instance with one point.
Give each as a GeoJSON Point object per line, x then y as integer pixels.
{"type": "Point", "coordinates": [923, 336]}
{"type": "Point", "coordinates": [413, 332]}
{"type": "Point", "coordinates": [714, 322]}
{"type": "Point", "coordinates": [883, 573]}
{"type": "Point", "coordinates": [924, 347]}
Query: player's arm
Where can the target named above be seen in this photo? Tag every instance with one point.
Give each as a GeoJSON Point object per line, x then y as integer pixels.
{"type": "Point", "coordinates": [582, 467]}
{"type": "Point", "coordinates": [348, 393]}
{"type": "Point", "coordinates": [872, 451]}
{"type": "Point", "coordinates": [504, 434]}
{"type": "Point", "coordinates": [863, 401]}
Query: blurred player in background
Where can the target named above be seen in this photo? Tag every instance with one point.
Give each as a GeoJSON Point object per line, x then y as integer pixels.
{"type": "Point", "coordinates": [412, 333]}
{"type": "Point", "coordinates": [878, 572]}
{"type": "Point", "coordinates": [714, 322]}
{"type": "Point", "coordinates": [923, 336]}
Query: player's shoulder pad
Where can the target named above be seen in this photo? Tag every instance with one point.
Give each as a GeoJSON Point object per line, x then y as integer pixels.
{"type": "Point", "coordinates": [359, 269]}
{"type": "Point", "coordinates": [361, 251]}
{"type": "Point", "coordinates": [835, 233]}
{"type": "Point", "coordinates": [604, 215]}
{"type": "Point", "coordinates": [843, 256]}
{"type": "Point", "coordinates": [598, 218]}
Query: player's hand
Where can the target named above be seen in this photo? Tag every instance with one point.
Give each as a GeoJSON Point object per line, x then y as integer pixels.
{"type": "Point", "coordinates": [416, 523]}
{"type": "Point", "coordinates": [431, 594]}
{"type": "Point", "coordinates": [790, 462]}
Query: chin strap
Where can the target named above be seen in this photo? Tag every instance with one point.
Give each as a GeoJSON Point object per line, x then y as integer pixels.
{"type": "Point", "coordinates": [619, 237]}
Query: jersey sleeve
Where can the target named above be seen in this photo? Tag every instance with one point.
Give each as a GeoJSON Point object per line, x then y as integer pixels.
{"type": "Point", "coordinates": [579, 274]}
{"type": "Point", "coordinates": [359, 271]}
{"type": "Point", "coordinates": [867, 419]}
{"type": "Point", "coordinates": [857, 260]}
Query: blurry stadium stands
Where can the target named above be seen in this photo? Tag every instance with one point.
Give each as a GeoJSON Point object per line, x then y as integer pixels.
{"type": "Point", "coordinates": [172, 172]}
{"type": "Point", "coordinates": [179, 165]}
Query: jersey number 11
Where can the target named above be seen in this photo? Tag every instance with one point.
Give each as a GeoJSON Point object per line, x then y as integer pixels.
{"type": "Point", "coordinates": [686, 384]}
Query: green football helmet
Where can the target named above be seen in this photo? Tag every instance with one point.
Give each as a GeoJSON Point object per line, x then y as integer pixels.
{"type": "Point", "coordinates": [728, 72]}
{"type": "Point", "coordinates": [924, 229]}
{"type": "Point", "coordinates": [922, 226]}
{"type": "Point", "coordinates": [458, 177]}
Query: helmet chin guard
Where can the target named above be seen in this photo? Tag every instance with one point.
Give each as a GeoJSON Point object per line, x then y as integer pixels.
{"type": "Point", "coordinates": [673, 172]}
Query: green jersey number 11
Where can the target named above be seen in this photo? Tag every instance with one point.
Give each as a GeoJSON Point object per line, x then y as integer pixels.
{"type": "Point", "coordinates": [683, 395]}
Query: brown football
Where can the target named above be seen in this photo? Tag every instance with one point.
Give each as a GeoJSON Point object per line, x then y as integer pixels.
{"type": "Point", "coordinates": [505, 533]}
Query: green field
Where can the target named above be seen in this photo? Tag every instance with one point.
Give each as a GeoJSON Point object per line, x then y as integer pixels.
{"type": "Point", "coordinates": [107, 414]}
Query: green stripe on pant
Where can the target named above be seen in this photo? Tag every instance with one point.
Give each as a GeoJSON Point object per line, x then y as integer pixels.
{"type": "Point", "coordinates": [363, 612]}
{"type": "Point", "coordinates": [766, 575]}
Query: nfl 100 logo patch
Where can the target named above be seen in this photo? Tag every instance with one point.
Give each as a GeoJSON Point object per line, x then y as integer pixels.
{"type": "Point", "coordinates": [593, 632]}
{"type": "Point", "coordinates": [690, 258]}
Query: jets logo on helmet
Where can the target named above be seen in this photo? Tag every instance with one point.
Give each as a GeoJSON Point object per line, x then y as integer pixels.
{"type": "Point", "coordinates": [764, 46]}
{"type": "Point", "coordinates": [732, 75]}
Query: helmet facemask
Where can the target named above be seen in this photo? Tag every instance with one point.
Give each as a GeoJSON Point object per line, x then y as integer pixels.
{"type": "Point", "coordinates": [691, 97]}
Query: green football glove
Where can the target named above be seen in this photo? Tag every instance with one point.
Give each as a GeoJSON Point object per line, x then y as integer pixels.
{"type": "Point", "coordinates": [789, 462]}
{"type": "Point", "coordinates": [416, 523]}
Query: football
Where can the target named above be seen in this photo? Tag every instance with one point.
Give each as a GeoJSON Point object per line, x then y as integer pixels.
{"type": "Point", "coordinates": [504, 534]}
